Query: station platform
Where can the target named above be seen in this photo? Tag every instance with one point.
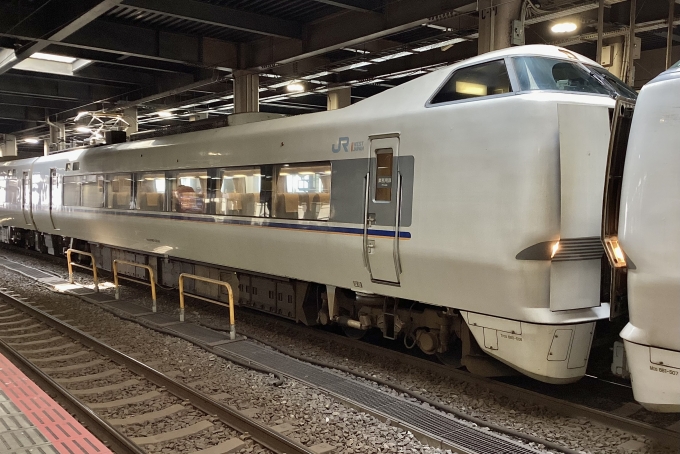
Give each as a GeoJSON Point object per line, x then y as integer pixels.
{"type": "Point", "coordinates": [32, 422]}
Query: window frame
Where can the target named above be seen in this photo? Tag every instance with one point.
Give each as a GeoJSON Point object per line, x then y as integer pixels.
{"type": "Point", "coordinates": [514, 84]}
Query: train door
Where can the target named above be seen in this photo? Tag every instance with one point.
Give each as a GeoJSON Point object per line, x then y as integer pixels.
{"type": "Point", "coordinates": [26, 197]}
{"type": "Point", "coordinates": [53, 194]}
{"type": "Point", "coordinates": [382, 210]}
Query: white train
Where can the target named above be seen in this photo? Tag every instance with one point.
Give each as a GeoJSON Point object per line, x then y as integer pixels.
{"type": "Point", "coordinates": [460, 210]}
{"type": "Point", "coordinates": [646, 228]}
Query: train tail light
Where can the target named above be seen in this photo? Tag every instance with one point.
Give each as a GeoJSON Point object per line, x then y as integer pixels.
{"type": "Point", "coordinates": [614, 252]}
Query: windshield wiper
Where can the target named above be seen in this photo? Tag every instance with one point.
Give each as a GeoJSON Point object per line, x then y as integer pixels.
{"type": "Point", "coordinates": [613, 92]}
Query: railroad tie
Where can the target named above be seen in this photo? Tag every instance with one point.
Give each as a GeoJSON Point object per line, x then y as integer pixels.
{"type": "Point", "coordinates": [47, 349]}
{"type": "Point", "coordinates": [24, 336]}
{"type": "Point", "coordinates": [36, 342]}
{"type": "Point", "coordinates": [73, 367]}
{"type": "Point", "coordinates": [103, 389]}
{"type": "Point", "coordinates": [16, 322]}
{"type": "Point", "coordinates": [61, 357]}
{"type": "Point", "coordinates": [148, 417]}
{"type": "Point", "coordinates": [105, 374]}
{"type": "Point", "coordinates": [7, 317]}
{"type": "Point", "coordinates": [226, 447]}
{"type": "Point", "coordinates": [120, 402]}
{"type": "Point", "coordinates": [20, 328]}
{"type": "Point", "coordinates": [173, 434]}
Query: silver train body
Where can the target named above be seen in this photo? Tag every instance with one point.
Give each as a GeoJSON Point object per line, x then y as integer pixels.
{"type": "Point", "coordinates": [649, 225]}
{"type": "Point", "coordinates": [480, 226]}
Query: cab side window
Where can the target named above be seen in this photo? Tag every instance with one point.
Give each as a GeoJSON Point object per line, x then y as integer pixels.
{"type": "Point", "coordinates": [486, 79]}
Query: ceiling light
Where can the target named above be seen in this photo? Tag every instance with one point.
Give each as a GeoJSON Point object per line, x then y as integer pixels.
{"type": "Point", "coordinates": [352, 66]}
{"type": "Point", "coordinates": [449, 42]}
{"type": "Point", "coordinates": [314, 76]}
{"type": "Point", "coordinates": [80, 115]}
{"type": "Point", "coordinates": [295, 87]}
{"type": "Point", "coordinates": [32, 141]}
{"type": "Point", "coordinates": [52, 57]}
{"type": "Point", "coordinates": [164, 113]}
{"type": "Point", "coordinates": [83, 129]}
{"type": "Point", "coordinates": [391, 57]}
{"type": "Point", "coordinates": [563, 27]}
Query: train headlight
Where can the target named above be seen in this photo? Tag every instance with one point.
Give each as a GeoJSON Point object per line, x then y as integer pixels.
{"type": "Point", "coordinates": [555, 248]}
{"type": "Point", "coordinates": [616, 256]}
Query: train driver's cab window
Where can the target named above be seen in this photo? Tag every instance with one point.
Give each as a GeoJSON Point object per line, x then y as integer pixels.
{"type": "Point", "coordinates": [238, 192]}
{"type": "Point", "coordinates": [150, 191]}
{"type": "Point", "coordinates": [84, 190]}
{"type": "Point", "coordinates": [118, 191]}
{"type": "Point", "coordinates": [542, 73]}
{"type": "Point", "coordinates": [189, 191]}
{"type": "Point", "coordinates": [486, 79]}
{"type": "Point", "coordinates": [303, 192]}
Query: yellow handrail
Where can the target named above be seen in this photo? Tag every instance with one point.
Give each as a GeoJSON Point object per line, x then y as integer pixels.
{"type": "Point", "coordinates": [232, 326]}
{"type": "Point", "coordinates": [71, 265]}
{"type": "Point", "coordinates": [138, 265]}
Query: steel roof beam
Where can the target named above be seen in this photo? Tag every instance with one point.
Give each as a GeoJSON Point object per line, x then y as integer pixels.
{"type": "Point", "coordinates": [355, 5]}
{"type": "Point", "coordinates": [330, 34]}
{"type": "Point", "coordinates": [221, 16]}
{"type": "Point", "coordinates": [82, 18]}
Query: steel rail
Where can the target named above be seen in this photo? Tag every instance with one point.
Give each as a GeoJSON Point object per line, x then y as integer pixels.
{"type": "Point", "coordinates": [563, 407]}
{"type": "Point", "coordinates": [260, 433]}
{"type": "Point", "coordinates": [99, 427]}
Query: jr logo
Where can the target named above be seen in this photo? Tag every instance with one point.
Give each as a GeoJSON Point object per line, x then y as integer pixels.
{"type": "Point", "coordinates": [343, 142]}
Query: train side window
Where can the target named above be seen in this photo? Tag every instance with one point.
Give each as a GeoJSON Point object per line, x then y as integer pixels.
{"type": "Point", "coordinates": [72, 191]}
{"type": "Point", "coordinates": [10, 191]}
{"type": "Point", "coordinates": [84, 190]}
{"type": "Point", "coordinates": [150, 191]}
{"type": "Point", "coordinates": [486, 79]}
{"type": "Point", "coordinates": [189, 191]}
{"type": "Point", "coordinates": [303, 191]}
{"type": "Point", "coordinates": [119, 191]}
{"type": "Point", "coordinates": [238, 192]}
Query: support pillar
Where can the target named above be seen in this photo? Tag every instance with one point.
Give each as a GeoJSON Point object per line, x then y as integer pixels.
{"type": "Point", "coordinates": [246, 94]}
{"type": "Point", "coordinates": [496, 23]}
{"type": "Point", "coordinates": [631, 44]}
{"type": "Point", "coordinates": [46, 147]}
{"type": "Point", "coordinates": [130, 116]}
{"type": "Point", "coordinates": [8, 145]}
{"type": "Point", "coordinates": [57, 136]}
{"type": "Point", "coordinates": [669, 38]}
{"type": "Point", "coordinates": [600, 30]}
{"type": "Point", "coordinates": [339, 98]}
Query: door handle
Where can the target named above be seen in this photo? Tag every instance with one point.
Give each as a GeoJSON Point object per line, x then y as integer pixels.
{"type": "Point", "coordinates": [370, 219]}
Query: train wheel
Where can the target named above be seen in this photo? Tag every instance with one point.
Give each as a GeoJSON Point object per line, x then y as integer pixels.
{"type": "Point", "coordinates": [453, 355]}
{"type": "Point", "coordinates": [353, 333]}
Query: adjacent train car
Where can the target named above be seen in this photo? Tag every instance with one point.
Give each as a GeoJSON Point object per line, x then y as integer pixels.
{"type": "Point", "coordinates": [642, 231]}
{"type": "Point", "coordinates": [459, 212]}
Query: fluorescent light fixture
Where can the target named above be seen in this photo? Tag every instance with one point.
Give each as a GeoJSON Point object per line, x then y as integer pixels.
{"type": "Point", "coordinates": [314, 76]}
{"type": "Point", "coordinates": [34, 141]}
{"type": "Point", "coordinates": [352, 66]}
{"type": "Point", "coordinates": [357, 51]}
{"type": "Point", "coordinates": [83, 129]}
{"type": "Point", "coordinates": [81, 115]}
{"type": "Point", "coordinates": [406, 74]}
{"type": "Point", "coordinates": [164, 113]}
{"type": "Point", "coordinates": [563, 27]}
{"type": "Point", "coordinates": [295, 87]}
{"type": "Point", "coordinates": [52, 57]}
{"type": "Point", "coordinates": [392, 57]}
{"type": "Point", "coordinates": [469, 88]}
{"type": "Point", "coordinates": [449, 42]}
{"type": "Point", "coordinates": [280, 84]}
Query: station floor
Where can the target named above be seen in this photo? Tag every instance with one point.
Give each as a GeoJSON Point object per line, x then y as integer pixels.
{"type": "Point", "coordinates": [32, 422]}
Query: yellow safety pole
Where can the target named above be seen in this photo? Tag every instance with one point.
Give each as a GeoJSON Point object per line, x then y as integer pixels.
{"type": "Point", "coordinates": [115, 280]}
{"type": "Point", "coordinates": [181, 297]}
{"type": "Point", "coordinates": [70, 267]}
{"type": "Point", "coordinates": [153, 289]}
{"type": "Point", "coordinates": [232, 325]}
{"type": "Point", "coordinates": [152, 284]}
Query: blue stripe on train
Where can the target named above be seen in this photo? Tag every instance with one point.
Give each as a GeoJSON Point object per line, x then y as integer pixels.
{"type": "Point", "coordinates": [254, 222]}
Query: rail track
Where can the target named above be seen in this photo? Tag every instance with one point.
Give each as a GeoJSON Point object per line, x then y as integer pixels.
{"type": "Point", "coordinates": [35, 341]}
{"type": "Point", "coordinates": [514, 392]}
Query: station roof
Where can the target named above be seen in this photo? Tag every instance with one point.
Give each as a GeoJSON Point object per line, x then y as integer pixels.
{"type": "Point", "coordinates": [62, 57]}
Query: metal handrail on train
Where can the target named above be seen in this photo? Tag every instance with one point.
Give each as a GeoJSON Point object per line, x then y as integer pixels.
{"type": "Point", "coordinates": [71, 265]}
{"type": "Point", "coordinates": [232, 326]}
{"type": "Point", "coordinates": [152, 280]}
